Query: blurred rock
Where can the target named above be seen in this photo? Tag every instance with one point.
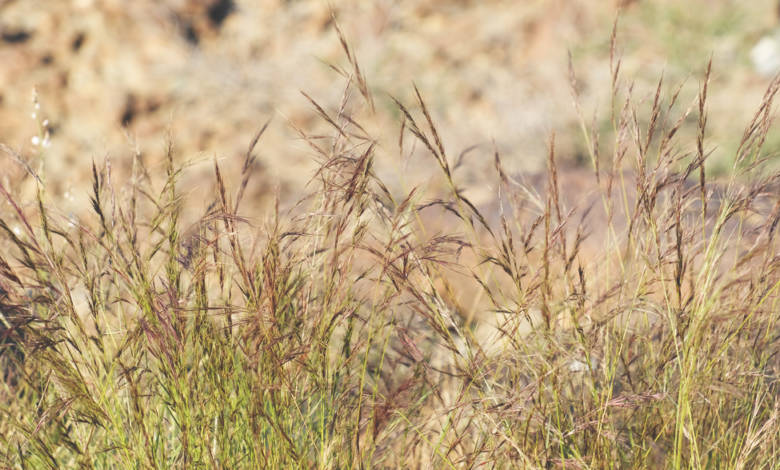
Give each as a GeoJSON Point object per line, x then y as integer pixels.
{"type": "Point", "coordinates": [765, 55]}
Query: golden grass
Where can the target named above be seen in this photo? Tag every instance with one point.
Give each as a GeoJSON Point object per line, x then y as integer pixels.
{"type": "Point", "coordinates": [369, 327]}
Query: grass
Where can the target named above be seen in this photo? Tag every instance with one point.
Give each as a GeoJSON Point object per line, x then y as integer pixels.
{"type": "Point", "coordinates": [366, 327]}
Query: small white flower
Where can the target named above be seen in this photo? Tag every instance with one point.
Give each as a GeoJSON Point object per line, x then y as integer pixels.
{"type": "Point", "coordinates": [37, 104]}
{"type": "Point", "coordinates": [45, 122]}
{"type": "Point", "coordinates": [35, 140]}
{"type": "Point", "coordinates": [34, 115]}
{"type": "Point", "coordinates": [17, 231]}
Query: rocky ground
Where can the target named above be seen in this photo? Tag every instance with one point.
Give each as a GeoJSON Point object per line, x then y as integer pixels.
{"type": "Point", "coordinates": [112, 76]}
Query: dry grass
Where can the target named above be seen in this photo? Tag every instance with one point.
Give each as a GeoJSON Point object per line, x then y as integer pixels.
{"type": "Point", "coordinates": [354, 331]}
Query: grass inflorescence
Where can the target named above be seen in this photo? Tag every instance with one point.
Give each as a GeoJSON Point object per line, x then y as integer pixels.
{"type": "Point", "coordinates": [630, 322]}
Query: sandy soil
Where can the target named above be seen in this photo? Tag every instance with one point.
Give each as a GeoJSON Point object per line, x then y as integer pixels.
{"type": "Point", "coordinates": [115, 76]}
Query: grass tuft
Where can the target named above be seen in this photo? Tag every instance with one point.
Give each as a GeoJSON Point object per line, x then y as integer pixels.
{"type": "Point", "coordinates": [627, 318]}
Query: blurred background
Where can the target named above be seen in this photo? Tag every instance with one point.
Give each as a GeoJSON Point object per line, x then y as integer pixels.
{"type": "Point", "coordinates": [82, 80]}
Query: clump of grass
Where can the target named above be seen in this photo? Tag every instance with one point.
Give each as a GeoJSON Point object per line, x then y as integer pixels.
{"type": "Point", "coordinates": [334, 335]}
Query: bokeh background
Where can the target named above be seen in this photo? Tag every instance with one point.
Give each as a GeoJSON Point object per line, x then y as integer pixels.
{"type": "Point", "coordinates": [113, 77]}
